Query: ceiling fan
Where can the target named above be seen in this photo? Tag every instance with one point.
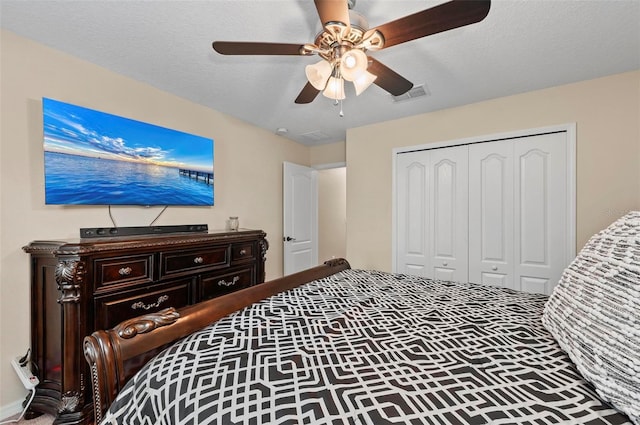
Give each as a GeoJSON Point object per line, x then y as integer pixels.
{"type": "Point", "coordinates": [345, 39]}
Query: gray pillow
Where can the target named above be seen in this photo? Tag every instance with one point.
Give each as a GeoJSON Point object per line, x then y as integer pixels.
{"type": "Point", "coordinates": [594, 313]}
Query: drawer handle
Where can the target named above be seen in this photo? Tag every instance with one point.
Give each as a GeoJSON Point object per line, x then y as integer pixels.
{"type": "Point", "coordinates": [140, 304]}
{"type": "Point", "coordinates": [198, 260]}
{"type": "Point", "coordinates": [125, 271]}
{"type": "Point", "coordinates": [227, 284]}
{"type": "Point", "coordinates": [243, 252]}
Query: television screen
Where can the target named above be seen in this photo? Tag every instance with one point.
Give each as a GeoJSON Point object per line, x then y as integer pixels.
{"type": "Point", "coordinates": [95, 158]}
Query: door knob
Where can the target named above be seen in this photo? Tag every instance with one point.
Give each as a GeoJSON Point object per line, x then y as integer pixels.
{"type": "Point", "coordinates": [494, 268]}
{"type": "Point", "coordinates": [289, 238]}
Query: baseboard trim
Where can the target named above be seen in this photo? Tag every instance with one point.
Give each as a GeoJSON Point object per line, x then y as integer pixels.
{"type": "Point", "coordinates": [9, 410]}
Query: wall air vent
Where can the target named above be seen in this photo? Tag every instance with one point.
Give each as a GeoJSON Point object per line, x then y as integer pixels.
{"type": "Point", "coordinates": [415, 92]}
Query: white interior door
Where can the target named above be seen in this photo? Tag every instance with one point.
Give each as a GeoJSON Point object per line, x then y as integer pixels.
{"type": "Point", "coordinates": [540, 211]}
{"type": "Point", "coordinates": [431, 207]}
{"type": "Point", "coordinates": [449, 217]}
{"type": "Point", "coordinates": [499, 212]}
{"type": "Point", "coordinates": [300, 217]}
{"type": "Point", "coordinates": [491, 213]}
{"type": "Point", "coordinates": [412, 209]}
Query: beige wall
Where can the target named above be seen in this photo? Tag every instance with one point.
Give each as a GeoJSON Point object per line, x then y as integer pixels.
{"type": "Point", "coordinates": [332, 213]}
{"type": "Point", "coordinates": [247, 161]}
{"type": "Point", "coordinates": [607, 116]}
{"type": "Point", "coordinates": [332, 153]}
{"type": "Point", "coordinates": [332, 191]}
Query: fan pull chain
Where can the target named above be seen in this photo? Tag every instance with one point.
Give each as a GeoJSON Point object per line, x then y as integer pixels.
{"type": "Point", "coordinates": [337, 102]}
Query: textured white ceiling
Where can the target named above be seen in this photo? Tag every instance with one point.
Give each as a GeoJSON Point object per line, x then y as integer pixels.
{"type": "Point", "coordinates": [522, 45]}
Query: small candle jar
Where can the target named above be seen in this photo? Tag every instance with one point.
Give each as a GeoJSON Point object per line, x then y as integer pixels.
{"type": "Point", "coordinates": [233, 223]}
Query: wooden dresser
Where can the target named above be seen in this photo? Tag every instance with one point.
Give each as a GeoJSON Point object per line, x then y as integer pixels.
{"type": "Point", "coordinates": [81, 286]}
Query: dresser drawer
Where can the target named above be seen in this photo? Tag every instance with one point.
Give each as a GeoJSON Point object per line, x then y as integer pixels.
{"type": "Point", "coordinates": [215, 284]}
{"type": "Point", "coordinates": [240, 252]}
{"type": "Point", "coordinates": [175, 263]}
{"type": "Point", "coordinates": [118, 270]}
{"type": "Point", "coordinates": [113, 309]}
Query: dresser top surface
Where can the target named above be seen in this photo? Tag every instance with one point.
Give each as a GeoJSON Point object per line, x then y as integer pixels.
{"type": "Point", "coordinates": [89, 245]}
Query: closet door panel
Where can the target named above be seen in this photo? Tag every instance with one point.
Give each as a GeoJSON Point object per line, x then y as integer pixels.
{"type": "Point", "coordinates": [491, 213]}
{"type": "Point", "coordinates": [412, 193]}
{"type": "Point", "coordinates": [540, 211]}
{"type": "Point", "coordinates": [449, 208]}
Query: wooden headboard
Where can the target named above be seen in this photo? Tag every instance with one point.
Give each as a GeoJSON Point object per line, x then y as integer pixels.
{"type": "Point", "coordinates": [114, 355]}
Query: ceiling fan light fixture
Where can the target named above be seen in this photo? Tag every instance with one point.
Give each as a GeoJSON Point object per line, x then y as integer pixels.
{"type": "Point", "coordinates": [318, 74]}
{"type": "Point", "coordinates": [372, 40]}
{"type": "Point", "coordinates": [334, 89]}
{"type": "Point", "coordinates": [353, 64]}
{"type": "Point", "coordinates": [363, 82]}
{"type": "Point", "coordinates": [345, 39]}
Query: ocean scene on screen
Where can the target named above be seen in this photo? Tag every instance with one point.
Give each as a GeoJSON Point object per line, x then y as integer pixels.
{"type": "Point", "coordinates": [95, 158]}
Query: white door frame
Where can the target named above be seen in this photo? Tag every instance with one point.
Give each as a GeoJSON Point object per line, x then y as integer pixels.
{"type": "Point", "coordinates": [569, 128]}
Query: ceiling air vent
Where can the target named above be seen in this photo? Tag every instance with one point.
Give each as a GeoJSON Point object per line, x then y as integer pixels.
{"type": "Point", "coordinates": [416, 91]}
{"type": "Point", "coordinates": [315, 136]}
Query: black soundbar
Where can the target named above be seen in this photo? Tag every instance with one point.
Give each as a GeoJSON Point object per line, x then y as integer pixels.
{"type": "Point", "coordinates": [109, 232]}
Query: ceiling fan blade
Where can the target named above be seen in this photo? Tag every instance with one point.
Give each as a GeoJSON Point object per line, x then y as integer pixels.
{"type": "Point", "coordinates": [333, 11]}
{"type": "Point", "coordinates": [308, 94]}
{"type": "Point", "coordinates": [444, 17]}
{"type": "Point", "coordinates": [257, 48]}
{"type": "Point", "coordinates": [388, 79]}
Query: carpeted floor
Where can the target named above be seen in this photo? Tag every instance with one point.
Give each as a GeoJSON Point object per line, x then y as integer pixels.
{"type": "Point", "coordinates": [40, 420]}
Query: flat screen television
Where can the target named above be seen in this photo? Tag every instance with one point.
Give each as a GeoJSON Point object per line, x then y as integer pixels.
{"type": "Point", "coordinates": [95, 158]}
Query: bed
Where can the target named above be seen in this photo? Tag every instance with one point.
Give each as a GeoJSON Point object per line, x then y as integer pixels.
{"type": "Point", "coordinates": [333, 345]}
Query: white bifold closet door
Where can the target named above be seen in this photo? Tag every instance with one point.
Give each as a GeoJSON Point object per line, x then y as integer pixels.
{"type": "Point", "coordinates": [517, 212]}
{"type": "Point", "coordinates": [491, 212]}
{"type": "Point", "coordinates": [432, 213]}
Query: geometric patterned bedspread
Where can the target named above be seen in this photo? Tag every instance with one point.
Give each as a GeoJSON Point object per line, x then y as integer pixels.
{"type": "Point", "coordinates": [364, 347]}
